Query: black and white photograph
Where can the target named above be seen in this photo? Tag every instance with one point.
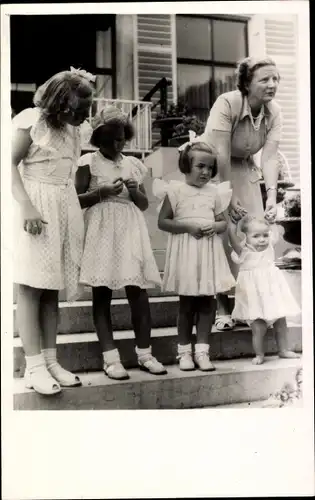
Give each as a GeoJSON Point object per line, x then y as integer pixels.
{"type": "Point", "coordinates": [156, 186]}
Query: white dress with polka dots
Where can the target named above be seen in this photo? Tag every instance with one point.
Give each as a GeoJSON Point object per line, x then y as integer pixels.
{"type": "Point", "coordinates": [195, 267]}
{"type": "Point", "coordinates": [52, 259]}
{"type": "Point", "coordinates": [117, 248]}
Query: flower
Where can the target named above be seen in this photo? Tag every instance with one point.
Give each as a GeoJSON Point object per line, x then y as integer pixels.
{"type": "Point", "coordinates": [292, 206]}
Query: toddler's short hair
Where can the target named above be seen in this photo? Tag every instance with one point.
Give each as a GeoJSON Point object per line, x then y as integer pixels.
{"type": "Point", "coordinates": [107, 122]}
{"type": "Point", "coordinates": [184, 162]}
{"type": "Point", "coordinates": [246, 222]}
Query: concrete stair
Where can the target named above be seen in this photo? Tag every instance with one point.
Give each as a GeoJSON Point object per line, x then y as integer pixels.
{"type": "Point", "coordinates": [234, 382]}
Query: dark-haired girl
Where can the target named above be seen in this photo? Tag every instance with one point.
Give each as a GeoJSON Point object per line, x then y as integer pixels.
{"type": "Point", "coordinates": [196, 267]}
{"type": "Point", "coordinates": [49, 228]}
{"type": "Point", "coordinates": [117, 251]}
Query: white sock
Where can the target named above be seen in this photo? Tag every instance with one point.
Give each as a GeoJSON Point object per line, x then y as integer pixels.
{"type": "Point", "coordinates": [50, 356]}
{"type": "Point", "coordinates": [183, 349]}
{"type": "Point", "coordinates": [143, 352]}
{"type": "Point", "coordinates": [111, 357]}
{"type": "Point", "coordinates": [33, 363]}
{"type": "Point", "coordinates": [202, 348]}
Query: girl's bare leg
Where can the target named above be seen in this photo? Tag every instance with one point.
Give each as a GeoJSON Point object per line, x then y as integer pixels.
{"type": "Point", "coordinates": [281, 333]}
{"type": "Point", "coordinates": [259, 329]}
{"type": "Point", "coordinates": [28, 306]}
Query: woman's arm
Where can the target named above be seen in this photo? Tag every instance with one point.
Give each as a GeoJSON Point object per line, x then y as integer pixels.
{"type": "Point", "coordinates": [167, 223]}
{"type": "Point", "coordinates": [234, 240]}
{"type": "Point", "coordinates": [269, 162]}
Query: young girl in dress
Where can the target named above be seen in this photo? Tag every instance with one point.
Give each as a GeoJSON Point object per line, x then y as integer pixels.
{"type": "Point", "coordinates": [49, 227]}
{"type": "Point", "coordinates": [262, 295]}
{"type": "Point", "coordinates": [117, 251]}
{"type": "Point", "coordinates": [196, 267]}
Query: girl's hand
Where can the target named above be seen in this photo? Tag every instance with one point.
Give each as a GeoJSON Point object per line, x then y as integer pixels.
{"type": "Point", "coordinates": [195, 231]}
{"type": "Point", "coordinates": [33, 221]}
{"type": "Point", "coordinates": [112, 189]}
{"type": "Point", "coordinates": [209, 230]}
{"type": "Point", "coordinates": [131, 185]}
{"type": "Point", "coordinates": [270, 211]}
{"type": "Point", "coordinates": [236, 211]}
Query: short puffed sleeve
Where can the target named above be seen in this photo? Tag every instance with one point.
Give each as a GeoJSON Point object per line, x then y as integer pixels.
{"type": "Point", "coordinates": [138, 169]}
{"type": "Point", "coordinates": [275, 130]}
{"type": "Point", "coordinates": [26, 119]}
{"type": "Point", "coordinates": [220, 117]}
{"type": "Point", "coordinates": [223, 197]}
{"type": "Point", "coordinates": [85, 160]}
{"type": "Point", "coordinates": [161, 188]}
{"type": "Point", "coordinates": [85, 133]}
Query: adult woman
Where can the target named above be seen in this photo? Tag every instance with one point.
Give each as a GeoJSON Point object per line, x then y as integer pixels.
{"type": "Point", "coordinates": [241, 123]}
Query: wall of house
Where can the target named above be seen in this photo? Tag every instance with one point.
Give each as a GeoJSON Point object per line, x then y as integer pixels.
{"type": "Point", "coordinates": [125, 56]}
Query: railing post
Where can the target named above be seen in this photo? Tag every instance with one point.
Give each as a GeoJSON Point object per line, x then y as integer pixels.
{"type": "Point", "coordinates": [163, 103]}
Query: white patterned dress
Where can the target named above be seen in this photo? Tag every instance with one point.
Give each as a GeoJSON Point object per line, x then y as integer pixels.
{"type": "Point", "coordinates": [195, 267]}
{"type": "Point", "coordinates": [261, 290]}
{"type": "Point", "coordinates": [52, 259]}
{"type": "Point", "coordinates": [117, 248]}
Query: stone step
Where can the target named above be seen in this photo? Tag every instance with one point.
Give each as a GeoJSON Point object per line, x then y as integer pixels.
{"type": "Point", "coordinates": [76, 317]}
{"type": "Point", "coordinates": [234, 382]}
{"type": "Point", "coordinates": [81, 352]}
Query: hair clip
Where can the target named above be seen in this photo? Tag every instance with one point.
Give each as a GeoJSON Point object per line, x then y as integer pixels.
{"type": "Point", "coordinates": [83, 73]}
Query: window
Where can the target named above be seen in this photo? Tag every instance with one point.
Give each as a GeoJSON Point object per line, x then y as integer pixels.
{"type": "Point", "coordinates": [83, 41]}
{"type": "Point", "coordinates": [208, 48]}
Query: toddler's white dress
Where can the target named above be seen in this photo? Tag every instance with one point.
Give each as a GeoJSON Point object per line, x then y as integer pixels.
{"type": "Point", "coordinates": [117, 249]}
{"type": "Point", "coordinates": [195, 267]}
{"type": "Point", "coordinates": [261, 289]}
{"type": "Point", "coordinates": [52, 259]}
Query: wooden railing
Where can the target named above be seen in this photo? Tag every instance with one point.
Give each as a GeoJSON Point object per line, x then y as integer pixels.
{"type": "Point", "coordinates": [140, 115]}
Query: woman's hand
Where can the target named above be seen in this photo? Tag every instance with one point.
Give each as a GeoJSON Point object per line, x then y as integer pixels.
{"type": "Point", "coordinates": [113, 189]}
{"type": "Point", "coordinates": [270, 210]}
{"type": "Point", "coordinates": [236, 211]}
{"type": "Point", "coordinates": [33, 221]}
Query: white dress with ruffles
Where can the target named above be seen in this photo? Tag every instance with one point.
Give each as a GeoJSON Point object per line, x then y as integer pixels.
{"type": "Point", "coordinates": [261, 289]}
{"type": "Point", "coordinates": [195, 267]}
{"type": "Point", "coordinates": [52, 259]}
{"type": "Point", "coordinates": [117, 248]}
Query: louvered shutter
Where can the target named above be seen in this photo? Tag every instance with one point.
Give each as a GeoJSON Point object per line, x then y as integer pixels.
{"type": "Point", "coordinates": [281, 45]}
{"type": "Point", "coordinates": [154, 55]}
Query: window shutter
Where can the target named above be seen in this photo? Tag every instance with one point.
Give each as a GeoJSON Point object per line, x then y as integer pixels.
{"type": "Point", "coordinates": [155, 56]}
{"type": "Point", "coordinates": [281, 45]}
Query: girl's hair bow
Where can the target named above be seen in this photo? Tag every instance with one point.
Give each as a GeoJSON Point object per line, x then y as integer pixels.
{"type": "Point", "coordinates": [192, 139]}
{"type": "Point", "coordinates": [83, 73]}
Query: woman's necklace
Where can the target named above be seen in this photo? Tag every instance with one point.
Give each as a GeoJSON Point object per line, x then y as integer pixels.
{"type": "Point", "coordinates": [256, 122]}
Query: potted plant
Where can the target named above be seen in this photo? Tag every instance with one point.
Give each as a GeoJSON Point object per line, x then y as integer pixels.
{"type": "Point", "coordinates": [291, 222]}
{"type": "Point", "coordinates": [181, 131]}
{"type": "Point", "coordinates": [282, 184]}
{"type": "Point", "coordinates": [175, 123]}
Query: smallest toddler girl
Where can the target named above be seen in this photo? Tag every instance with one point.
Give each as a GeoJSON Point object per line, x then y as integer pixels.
{"type": "Point", "coordinates": [262, 295]}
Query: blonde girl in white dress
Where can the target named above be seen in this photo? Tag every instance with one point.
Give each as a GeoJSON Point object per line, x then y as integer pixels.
{"type": "Point", "coordinates": [196, 266]}
{"type": "Point", "coordinates": [49, 226]}
{"type": "Point", "coordinates": [262, 295]}
{"type": "Point", "coordinates": [117, 250]}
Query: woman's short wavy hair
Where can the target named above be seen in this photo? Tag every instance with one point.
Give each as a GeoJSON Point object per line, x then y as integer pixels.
{"type": "Point", "coordinates": [184, 162]}
{"type": "Point", "coordinates": [246, 69]}
{"type": "Point", "coordinates": [60, 93]}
